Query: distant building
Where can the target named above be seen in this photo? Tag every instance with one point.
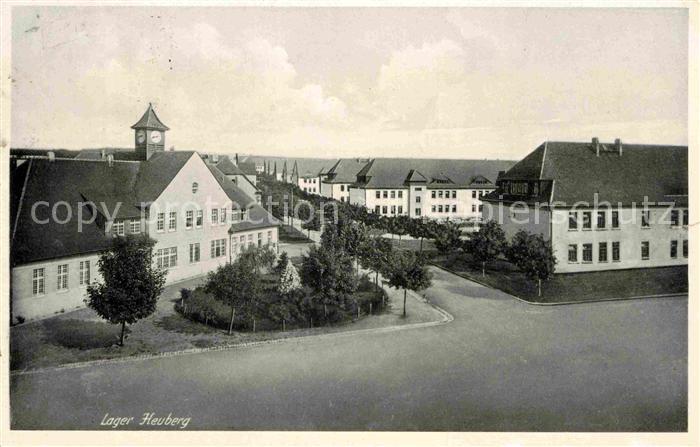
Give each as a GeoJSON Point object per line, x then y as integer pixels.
{"type": "Point", "coordinates": [199, 218]}
{"type": "Point", "coordinates": [426, 188]}
{"type": "Point", "coordinates": [336, 182]}
{"type": "Point", "coordinates": [603, 206]}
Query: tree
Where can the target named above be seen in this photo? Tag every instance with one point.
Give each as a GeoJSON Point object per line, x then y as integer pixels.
{"type": "Point", "coordinates": [313, 223]}
{"type": "Point", "coordinates": [258, 257]}
{"type": "Point", "coordinates": [328, 272]}
{"type": "Point", "coordinates": [407, 271]}
{"type": "Point", "coordinates": [289, 280]}
{"type": "Point", "coordinates": [401, 226]}
{"type": "Point", "coordinates": [375, 256]}
{"type": "Point", "coordinates": [131, 283]}
{"type": "Point", "coordinates": [281, 262]}
{"type": "Point", "coordinates": [354, 236]}
{"type": "Point", "coordinates": [533, 256]}
{"type": "Point", "coordinates": [486, 244]}
{"type": "Point", "coordinates": [447, 237]}
{"type": "Point", "coordinates": [235, 284]}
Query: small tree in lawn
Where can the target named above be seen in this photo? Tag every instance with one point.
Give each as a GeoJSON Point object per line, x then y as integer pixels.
{"type": "Point", "coordinates": [486, 244]}
{"type": "Point", "coordinates": [407, 271]}
{"type": "Point", "coordinates": [131, 283]}
{"type": "Point", "coordinates": [289, 280]}
{"type": "Point", "coordinates": [533, 256]}
{"type": "Point", "coordinates": [258, 257]}
{"type": "Point", "coordinates": [418, 229]}
{"type": "Point", "coordinates": [234, 285]}
{"type": "Point", "coordinates": [281, 262]}
{"type": "Point", "coordinates": [328, 272]}
{"type": "Point", "coordinates": [447, 237]}
{"type": "Point", "coordinates": [402, 225]}
{"type": "Point", "coordinates": [354, 235]}
{"type": "Point", "coordinates": [375, 256]}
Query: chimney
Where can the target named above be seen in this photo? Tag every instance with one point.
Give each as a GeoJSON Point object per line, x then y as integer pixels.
{"type": "Point", "coordinates": [596, 146]}
{"type": "Point", "coordinates": [618, 146]}
{"type": "Point", "coordinates": [52, 156]}
{"type": "Point", "coordinates": [215, 158]}
{"type": "Point", "coordinates": [110, 160]}
{"type": "Point", "coordinates": [236, 158]}
{"type": "Point", "coordinates": [103, 155]}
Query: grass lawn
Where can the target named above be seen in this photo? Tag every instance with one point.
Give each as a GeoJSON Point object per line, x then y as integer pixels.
{"type": "Point", "coordinates": [566, 287]}
{"type": "Point", "coordinates": [82, 335]}
{"type": "Point", "coordinates": [412, 244]}
{"type": "Point", "coordinates": [291, 235]}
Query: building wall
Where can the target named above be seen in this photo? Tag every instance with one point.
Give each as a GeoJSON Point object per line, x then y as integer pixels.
{"type": "Point", "coordinates": [311, 185]}
{"type": "Point", "coordinates": [630, 235]}
{"type": "Point", "coordinates": [337, 191]}
{"type": "Point", "coordinates": [246, 186]}
{"type": "Point", "coordinates": [52, 301]}
{"type": "Point", "coordinates": [531, 219]}
{"type": "Point", "coordinates": [385, 204]}
{"type": "Point", "coordinates": [468, 206]}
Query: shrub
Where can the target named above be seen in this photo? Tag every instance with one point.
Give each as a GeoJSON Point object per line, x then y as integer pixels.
{"type": "Point", "coordinates": [200, 306]}
{"type": "Point", "coordinates": [20, 319]}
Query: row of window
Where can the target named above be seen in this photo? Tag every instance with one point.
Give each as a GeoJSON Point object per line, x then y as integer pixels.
{"type": "Point", "coordinates": [312, 190]}
{"type": "Point", "coordinates": [386, 194]}
{"type": "Point", "coordinates": [443, 209]}
{"type": "Point", "coordinates": [309, 180]}
{"type": "Point", "coordinates": [587, 251]}
{"type": "Point", "coordinates": [602, 219]}
{"type": "Point", "coordinates": [443, 194]}
{"type": "Point", "coordinates": [39, 277]}
{"type": "Point", "coordinates": [385, 209]}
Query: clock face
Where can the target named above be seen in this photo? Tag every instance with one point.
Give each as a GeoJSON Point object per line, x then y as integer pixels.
{"type": "Point", "coordinates": [156, 136]}
{"type": "Point", "coordinates": [140, 136]}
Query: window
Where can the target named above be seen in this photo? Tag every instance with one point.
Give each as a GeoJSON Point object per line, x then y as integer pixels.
{"type": "Point", "coordinates": [385, 194]}
{"type": "Point", "coordinates": [118, 228]}
{"type": "Point", "coordinates": [400, 194]}
{"type": "Point", "coordinates": [645, 219]}
{"type": "Point", "coordinates": [473, 194]}
{"type": "Point", "coordinates": [242, 239]}
{"type": "Point", "coordinates": [160, 222]}
{"type": "Point", "coordinates": [481, 208]}
{"type": "Point", "coordinates": [393, 209]}
{"type": "Point", "coordinates": [454, 194]}
{"type": "Point", "coordinates": [194, 252]}
{"type": "Point", "coordinates": [393, 194]}
{"type": "Point", "coordinates": [172, 224]}
{"type": "Point", "coordinates": [685, 218]}
{"type": "Point", "coordinates": [250, 239]}
{"type": "Point", "coordinates": [440, 194]}
{"type": "Point", "coordinates": [134, 226]}
{"type": "Point", "coordinates": [189, 219]}
{"type": "Point", "coordinates": [602, 252]}
{"type": "Point", "coordinates": [234, 246]}
{"type": "Point", "coordinates": [200, 218]}
{"type": "Point", "coordinates": [473, 208]}
{"type": "Point", "coordinates": [674, 249]}
{"type": "Point", "coordinates": [439, 208]}
{"type": "Point", "coordinates": [417, 199]}
{"type": "Point", "coordinates": [454, 208]}
{"type": "Point", "coordinates": [419, 189]}
{"type": "Point", "coordinates": [377, 208]}
{"type": "Point", "coordinates": [84, 273]}
{"type": "Point", "coordinates": [685, 248]}
{"type": "Point", "coordinates": [417, 211]}
{"type": "Point", "coordinates": [400, 209]}
{"type": "Point", "coordinates": [218, 248]}
{"type": "Point", "coordinates": [259, 239]}
{"type": "Point", "coordinates": [342, 187]}
{"type": "Point", "coordinates": [586, 220]}
{"type": "Point", "coordinates": [615, 217]}
{"type": "Point", "coordinates": [195, 187]}
{"type": "Point", "coordinates": [645, 250]}
{"type": "Point", "coordinates": [377, 194]}
{"type": "Point", "coordinates": [384, 209]}
{"type": "Point", "coordinates": [38, 282]}
{"type": "Point", "coordinates": [616, 252]}
{"type": "Point", "coordinates": [674, 218]}
{"type": "Point", "coordinates": [432, 194]}
{"type": "Point", "coordinates": [432, 208]}
{"type": "Point", "coordinates": [601, 219]}
{"type": "Point", "coordinates": [222, 215]}
{"type": "Point", "coordinates": [573, 220]}
{"type": "Point", "coordinates": [269, 236]}
{"type": "Point", "coordinates": [587, 253]}
{"type": "Point", "coordinates": [62, 277]}
{"type": "Point", "coordinates": [214, 216]}
{"type": "Point", "coordinates": [573, 253]}
{"type": "Point", "coordinates": [166, 257]}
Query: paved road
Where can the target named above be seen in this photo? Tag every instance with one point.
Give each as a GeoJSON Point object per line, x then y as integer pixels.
{"type": "Point", "coordinates": [500, 365]}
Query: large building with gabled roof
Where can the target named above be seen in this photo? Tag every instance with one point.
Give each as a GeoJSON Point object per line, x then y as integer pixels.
{"type": "Point", "coordinates": [65, 211]}
{"type": "Point", "coordinates": [603, 206]}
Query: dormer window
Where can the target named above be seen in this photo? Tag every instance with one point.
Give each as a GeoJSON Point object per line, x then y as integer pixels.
{"type": "Point", "coordinates": [195, 187]}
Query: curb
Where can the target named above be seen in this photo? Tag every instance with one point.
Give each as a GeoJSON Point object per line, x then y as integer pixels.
{"type": "Point", "coordinates": [446, 318]}
{"type": "Point", "coordinates": [562, 303]}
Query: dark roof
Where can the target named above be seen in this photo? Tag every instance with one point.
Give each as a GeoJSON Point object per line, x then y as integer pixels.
{"type": "Point", "coordinates": [248, 167]}
{"type": "Point", "coordinates": [150, 120]}
{"type": "Point", "coordinates": [658, 172]}
{"type": "Point", "coordinates": [228, 167]}
{"type": "Point", "coordinates": [22, 152]}
{"type": "Point", "coordinates": [346, 170]}
{"type": "Point", "coordinates": [119, 153]}
{"type": "Point", "coordinates": [76, 181]}
{"type": "Point", "coordinates": [438, 173]}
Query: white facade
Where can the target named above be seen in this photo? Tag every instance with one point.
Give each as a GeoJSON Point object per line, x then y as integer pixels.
{"type": "Point", "coordinates": [310, 184]}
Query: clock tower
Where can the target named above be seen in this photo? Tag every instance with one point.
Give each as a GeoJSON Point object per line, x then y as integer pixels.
{"type": "Point", "coordinates": [149, 134]}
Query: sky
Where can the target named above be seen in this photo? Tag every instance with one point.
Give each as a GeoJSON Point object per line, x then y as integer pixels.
{"type": "Point", "coordinates": [344, 82]}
